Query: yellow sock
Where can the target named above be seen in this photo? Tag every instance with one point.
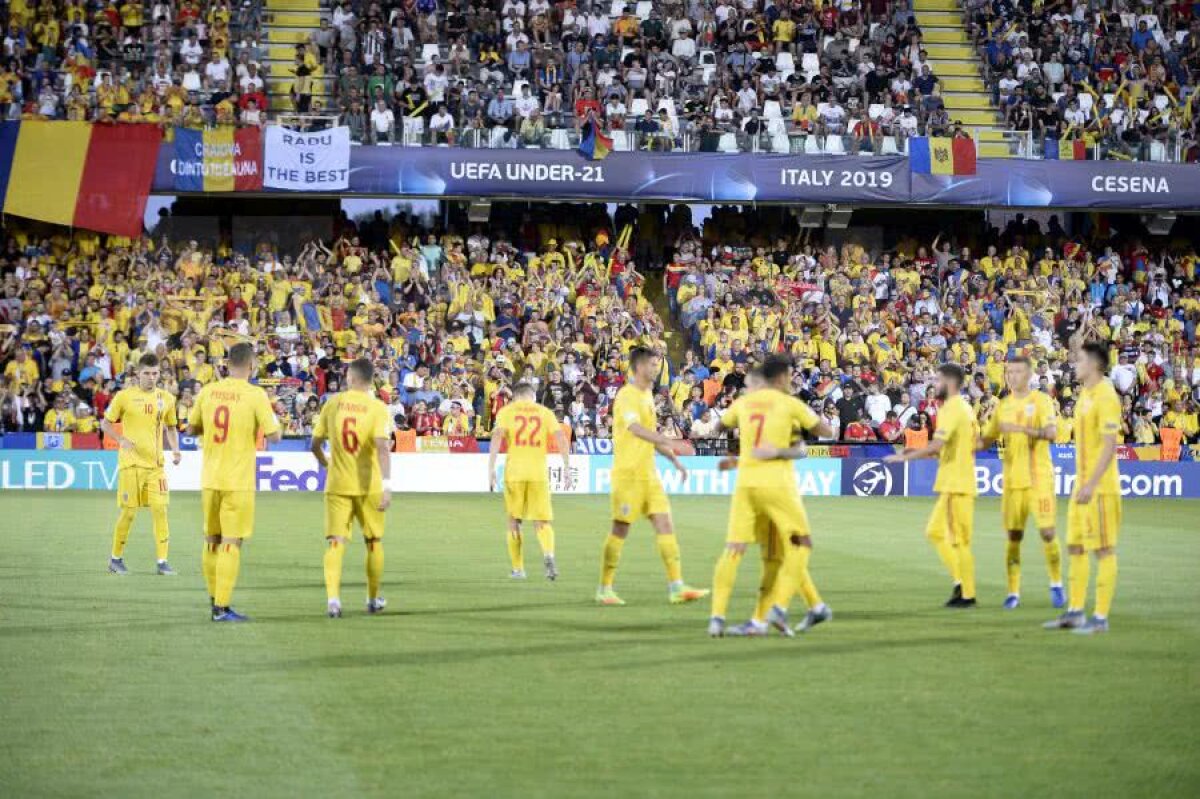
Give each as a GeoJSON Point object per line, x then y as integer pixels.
{"type": "Point", "coordinates": [545, 537]}
{"type": "Point", "coordinates": [966, 570]}
{"type": "Point", "coordinates": [791, 575]}
{"type": "Point", "coordinates": [121, 531]}
{"type": "Point", "coordinates": [1077, 586]}
{"type": "Point", "coordinates": [1053, 552]}
{"type": "Point", "coordinates": [229, 561]}
{"type": "Point", "coordinates": [516, 550]}
{"type": "Point", "coordinates": [335, 553]}
{"type": "Point", "coordinates": [1012, 565]}
{"type": "Point", "coordinates": [766, 588]}
{"type": "Point", "coordinates": [208, 565]}
{"type": "Point", "coordinates": [162, 531]}
{"type": "Point", "coordinates": [808, 590]}
{"type": "Point", "coordinates": [374, 568]}
{"type": "Point", "coordinates": [668, 550]}
{"type": "Point", "coordinates": [612, 556]}
{"type": "Point", "coordinates": [724, 578]}
{"type": "Point", "coordinates": [1106, 584]}
{"type": "Point", "coordinates": [948, 556]}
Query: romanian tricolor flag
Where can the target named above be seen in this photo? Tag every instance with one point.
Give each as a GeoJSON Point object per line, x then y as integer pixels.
{"type": "Point", "coordinates": [223, 159]}
{"type": "Point", "coordinates": [595, 145]}
{"type": "Point", "coordinates": [940, 155]}
{"type": "Point", "coordinates": [1065, 150]}
{"type": "Point", "coordinates": [78, 174]}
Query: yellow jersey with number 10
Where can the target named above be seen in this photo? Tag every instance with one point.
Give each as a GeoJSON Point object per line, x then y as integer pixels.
{"type": "Point", "coordinates": [633, 458]}
{"type": "Point", "coordinates": [230, 415]}
{"type": "Point", "coordinates": [956, 429]}
{"type": "Point", "coordinates": [527, 427]}
{"type": "Point", "coordinates": [351, 422]}
{"type": "Point", "coordinates": [767, 417]}
{"type": "Point", "coordinates": [143, 416]}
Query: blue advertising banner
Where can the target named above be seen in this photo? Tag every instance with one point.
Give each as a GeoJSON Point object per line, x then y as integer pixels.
{"type": "Point", "coordinates": [873, 478]}
{"type": "Point", "coordinates": [1064, 184]}
{"type": "Point", "coordinates": [1155, 479]}
{"type": "Point", "coordinates": [819, 477]}
{"type": "Point", "coordinates": [749, 177]}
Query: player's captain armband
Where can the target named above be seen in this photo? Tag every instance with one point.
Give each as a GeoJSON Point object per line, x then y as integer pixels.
{"type": "Point", "coordinates": [1110, 428]}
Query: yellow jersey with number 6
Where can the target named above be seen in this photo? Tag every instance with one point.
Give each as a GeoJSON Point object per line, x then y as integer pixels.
{"type": "Point", "coordinates": [351, 422]}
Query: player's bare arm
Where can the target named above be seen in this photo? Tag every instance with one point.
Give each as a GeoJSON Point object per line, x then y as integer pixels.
{"type": "Point", "coordinates": [317, 448]}
{"type": "Point", "coordinates": [930, 450]}
{"type": "Point", "coordinates": [173, 443]}
{"type": "Point", "coordinates": [110, 430]}
{"type": "Point", "coordinates": [383, 454]}
{"type": "Point", "coordinates": [498, 434]}
{"type": "Point", "coordinates": [1108, 451]}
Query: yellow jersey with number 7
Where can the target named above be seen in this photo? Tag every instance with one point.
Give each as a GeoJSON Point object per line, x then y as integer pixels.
{"type": "Point", "coordinates": [767, 417]}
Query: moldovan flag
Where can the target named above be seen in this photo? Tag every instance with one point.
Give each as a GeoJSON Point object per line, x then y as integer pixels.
{"type": "Point", "coordinates": [940, 155]}
{"type": "Point", "coordinates": [1066, 149]}
{"type": "Point", "coordinates": [223, 159]}
{"type": "Point", "coordinates": [78, 174]}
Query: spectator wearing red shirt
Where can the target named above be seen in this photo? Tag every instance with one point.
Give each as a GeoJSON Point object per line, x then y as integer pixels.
{"type": "Point", "coordinates": [425, 422]}
{"type": "Point", "coordinates": [891, 430]}
{"type": "Point", "coordinates": [860, 430]}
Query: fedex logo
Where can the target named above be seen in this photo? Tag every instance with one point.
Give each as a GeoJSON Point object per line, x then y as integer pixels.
{"type": "Point", "coordinates": [273, 476]}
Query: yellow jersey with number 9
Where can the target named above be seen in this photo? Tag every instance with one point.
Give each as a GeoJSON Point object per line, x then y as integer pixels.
{"type": "Point", "coordinates": [767, 417]}
{"type": "Point", "coordinates": [230, 414]}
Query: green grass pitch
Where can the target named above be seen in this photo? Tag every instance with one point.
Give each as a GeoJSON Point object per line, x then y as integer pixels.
{"type": "Point", "coordinates": [473, 685]}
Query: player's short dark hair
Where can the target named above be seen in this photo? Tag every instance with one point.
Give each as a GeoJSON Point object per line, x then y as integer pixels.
{"type": "Point", "coordinates": [148, 361]}
{"type": "Point", "coordinates": [1025, 359]}
{"type": "Point", "coordinates": [1097, 351]}
{"type": "Point", "coordinates": [363, 369]}
{"type": "Point", "coordinates": [637, 355]}
{"type": "Point", "coordinates": [241, 354]}
{"type": "Point", "coordinates": [524, 390]}
{"type": "Point", "coordinates": [776, 366]}
{"type": "Point", "coordinates": [953, 371]}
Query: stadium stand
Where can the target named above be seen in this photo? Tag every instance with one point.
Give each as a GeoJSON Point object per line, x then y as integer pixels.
{"type": "Point", "coordinates": [456, 317]}
{"type": "Point", "coordinates": [847, 76]}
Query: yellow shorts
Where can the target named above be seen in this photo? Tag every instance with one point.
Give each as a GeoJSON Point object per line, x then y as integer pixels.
{"type": "Point", "coordinates": [141, 488]}
{"type": "Point", "coordinates": [528, 500]}
{"type": "Point", "coordinates": [755, 511]}
{"type": "Point", "coordinates": [342, 510]}
{"type": "Point", "coordinates": [1094, 525]}
{"type": "Point", "coordinates": [953, 519]}
{"type": "Point", "coordinates": [633, 499]}
{"type": "Point", "coordinates": [227, 513]}
{"type": "Point", "coordinates": [1018, 504]}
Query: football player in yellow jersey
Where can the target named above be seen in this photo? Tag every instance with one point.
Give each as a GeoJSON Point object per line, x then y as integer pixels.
{"type": "Point", "coordinates": [229, 415]}
{"type": "Point", "coordinates": [952, 522]}
{"type": "Point", "coordinates": [145, 413]}
{"type": "Point", "coordinates": [1025, 423]}
{"type": "Point", "coordinates": [525, 427]}
{"type": "Point", "coordinates": [636, 490]}
{"type": "Point", "coordinates": [766, 506]}
{"type": "Point", "coordinates": [1094, 515]}
{"type": "Point", "coordinates": [357, 481]}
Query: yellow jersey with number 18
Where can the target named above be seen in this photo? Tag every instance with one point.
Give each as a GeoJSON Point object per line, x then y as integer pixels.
{"type": "Point", "coordinates": [633, 458]}
{"type": "Point", "coordinates": [230, 415]}
{"type": "Point", "coordinates": [1026, 462]}
{"type": "Point", "coordinates": [527, 427]}
{"type": "Point", "coordinates": [351, 422]}
{"type": "Point", "coordinates": [956, 429]}
{"type": "Point", "coordinates": [143, 416]}
{"type": "Point", "coordinates": [767, 417]}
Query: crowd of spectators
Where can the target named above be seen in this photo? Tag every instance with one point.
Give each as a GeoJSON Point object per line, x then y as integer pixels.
{"type": "Point", "coordinates": [667, 73]}
{"type": "Point", "coordinates": [455, 317]}
{"type": "Point", "coordinates": [1121, 75]}
{"type": "Point", "coordinates": [171, 62]}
